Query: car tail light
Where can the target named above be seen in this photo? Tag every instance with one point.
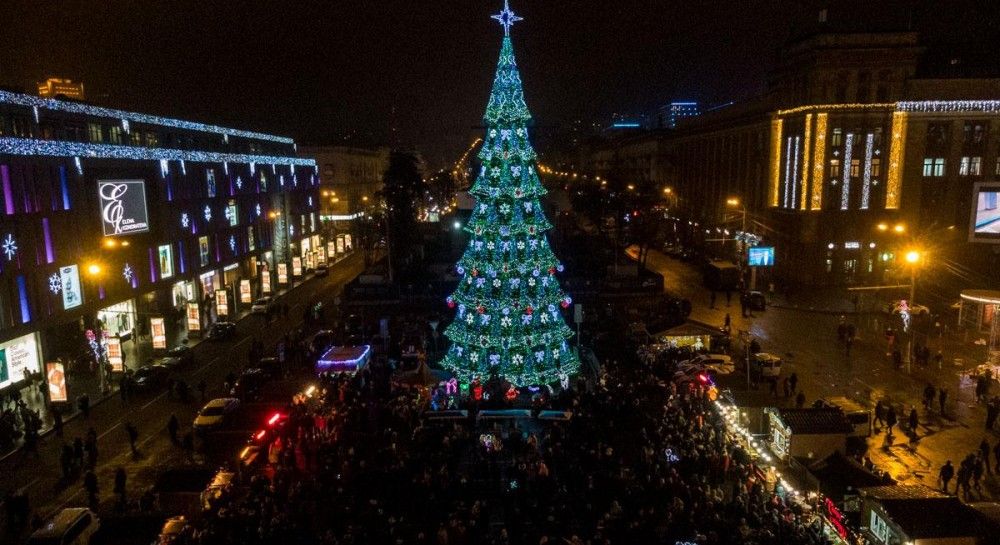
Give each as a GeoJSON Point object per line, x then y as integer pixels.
{"type": "Point", "coordinates": [274, 419]}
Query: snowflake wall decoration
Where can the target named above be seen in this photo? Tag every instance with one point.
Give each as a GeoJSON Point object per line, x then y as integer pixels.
{"type": "Point", "coordinates": [185, 220]}
{"type": "Point", "coordinates": [55, 284]}
{"type": "Point", "coordinates": [127, 272]}
{"type": "Point", "coordinates": [9, 247]}
{"type": "Point", "coordinates": [208, 213]}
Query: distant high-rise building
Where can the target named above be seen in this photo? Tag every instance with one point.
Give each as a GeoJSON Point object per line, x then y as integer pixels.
{"type": "Point", "coordinates": [670, 114]}
{"type": "Point", "coordinates": [58, 87]}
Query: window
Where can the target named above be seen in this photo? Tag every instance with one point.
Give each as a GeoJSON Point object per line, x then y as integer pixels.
{"type": "Point", "coordinates": [115, 135]}
{"type": "Point", "coordinates": [231, 213]}
{"type": "Point", "coordinates": [876, 166]}
{"type": "Point", "coordinates": [835, 168]}
{"type": "Point", "coordinates": [210, 182]}
{"type": "Point", "coordinates": [166, 261]}
{"type": "Point", "coordinates": [963, 167]}
{"type": "Point", "coordinates": [974, 132]}
{"type": "Point", "coordinates": [837, 138]}
{"type": "Point", "coordinates": [996, 169]}
{"type": "Point", "coordinates": [94, 132]}
{"type": "Point", "coordinates": [937, 135]}
{"type": "Point", "coordinates": [250, 240]}
{"type": "Point", "coordinates": [136, 138]}
{"type": "Point", "coordinates": [203, 251]}
{"type": "Point", "coordinates": [975, 166]}
{"type": "Point", "coordinates": [152, 139]}
{"type": "Point", "coordinates": [855, 168]}
{"type": "Point", "coordinates": [933, 166]}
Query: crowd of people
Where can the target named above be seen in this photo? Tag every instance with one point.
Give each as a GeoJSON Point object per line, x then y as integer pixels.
{"type": "Point", "coordinates": [639, 461]}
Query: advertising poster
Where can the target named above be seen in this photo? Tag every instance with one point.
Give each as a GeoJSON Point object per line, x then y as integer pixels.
{"type": "Point", "coordinates": [347, 242]}
{"type": "Point", "coordinates": [72, 294]}
{"type": "Point", "coordinates": [18, 359]}
{"type": "Point", "coordinates": [321, 255]}
{"type": "Point", "coordinates": [114, 347]}
{"type": "Point", "coordinates": [221, 303]}
{"type": "Point", "coordinates": [296, 266]}
{"type": "Point", "coordinates": [310, 261]}
{"type": "Point", "coordinates": [166, 261]}
{"type": "Point", "coordinates": [55, 375]}
{"type": "Point", "coordinates": [159, 332]}
{"type": "Point", "coordinates": [123, 207]}
{"type": "Point", "coordinates": [340, 244]}
{"type": "Point", "coordinates": [331, 249]}
{"type": "Point", "coordinates": [245, 296]}
{"type": "Point", "coordinates": [193, 317]}
{"type": "Point", "coordinates": [265, 281]}
{"type": "Point", "coordinates": [282, 273]}
{"type": "Point", "coordinates": [203, 251]}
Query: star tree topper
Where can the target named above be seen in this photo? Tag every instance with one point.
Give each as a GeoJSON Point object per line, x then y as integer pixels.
{"type": "Point", "coordinates": [507, 18]}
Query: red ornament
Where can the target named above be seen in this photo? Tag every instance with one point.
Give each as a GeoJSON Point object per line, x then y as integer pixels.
{"type": "Point", "coordinates": [552, 270]}
{"type": "Point", "coordinates": [529, 310]}
{"type": "Point", "coordinates": [475, 272]}
{"type": "Point", "coordinates": [451, 304]}
{"type": "Point", "coordinates": [565, 303]}
{"type": "Point", "coordinates": [481, 309]}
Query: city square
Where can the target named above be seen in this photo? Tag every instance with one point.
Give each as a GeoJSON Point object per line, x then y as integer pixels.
{"type": "Point", "coordinates": [500, 273]}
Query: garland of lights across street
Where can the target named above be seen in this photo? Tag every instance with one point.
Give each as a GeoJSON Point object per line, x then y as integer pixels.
{"type": "Point", "coordinates": [508, 319]}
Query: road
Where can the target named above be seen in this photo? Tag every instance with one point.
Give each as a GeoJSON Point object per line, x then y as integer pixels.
{"type": "Point", "coordinates": [41, 476]}
{"type": "Point", "coordinates": [807, 341]}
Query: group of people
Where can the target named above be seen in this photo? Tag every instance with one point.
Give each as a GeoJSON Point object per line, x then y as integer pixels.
{"type": "Point", "coordinates": [640, 461]}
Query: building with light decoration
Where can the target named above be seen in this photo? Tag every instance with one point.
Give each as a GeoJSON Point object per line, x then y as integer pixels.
{"type": "Point", "coordinates": [350, 177]}
{"type": "Point", "coordinates": [137, 230]}
{"type": "Point", "coordinates": [669, 115]}
{"type": "Point", "coordinates": [61, 88]}
{"type": "Point", "coordinates": [861, 147]}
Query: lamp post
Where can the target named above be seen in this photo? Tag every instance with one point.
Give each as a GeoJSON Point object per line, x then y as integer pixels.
{"type": "Point", "coordinates": [913, 257]}
{"type": "Point", "coordinates": [736, 203]}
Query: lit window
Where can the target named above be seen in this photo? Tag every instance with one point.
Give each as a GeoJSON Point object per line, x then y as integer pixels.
{"type": "Point", "coordinates": [975, 166]}
{"type": "Point", "coordinates": [837, 138]}
{"type": "Point", "coordinates": [210, 182]}
{"type": "Point", "coordinates": [835, 168]}
{"type": "Point", "coordinates": [855, 168]}
{"type": "Point", "coordinates": [963, 167]}
{"type": "Point", "coordinates": [876, 166]}
{"type": "Point", "coordinates": [115, 134]}
{"type": "Point", "coordinates": [94, 132]}
{"type": "Point", "coordinates": [933, 166]}
{"type": "Point", "coordinates": [996, 170]}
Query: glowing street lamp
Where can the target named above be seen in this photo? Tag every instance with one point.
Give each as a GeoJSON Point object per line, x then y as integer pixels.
{"type": "Point", "coordinates": [93, 269]}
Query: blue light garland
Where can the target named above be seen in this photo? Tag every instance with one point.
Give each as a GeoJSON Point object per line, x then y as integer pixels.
{"type": "Point", "coordinates": [6, 97]}
{"type": "Point", "coordinates": [29, 146]}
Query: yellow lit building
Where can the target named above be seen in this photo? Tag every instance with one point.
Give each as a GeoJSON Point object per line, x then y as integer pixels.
{"type": "Point", "coordinates": [63, 88]}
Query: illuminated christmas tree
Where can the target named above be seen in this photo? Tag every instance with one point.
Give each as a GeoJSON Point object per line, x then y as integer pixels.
{"type": "Point", "coordinates": [508, 319]}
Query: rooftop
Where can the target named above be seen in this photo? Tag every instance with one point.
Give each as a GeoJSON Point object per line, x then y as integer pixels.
{"type": "Point", "coordinates": [815, 421]}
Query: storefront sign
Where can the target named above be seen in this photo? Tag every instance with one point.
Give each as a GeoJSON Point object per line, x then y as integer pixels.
{"type": "Point", "coordinates": [221, 303]}
{"type": "Point", "coordinates": [56, 377]}
{"type": "Point", "coordinates": [835, 517]}
{"type": "Point", "coordinates": [159, 331]}
{"type": "Point", "coordinates": [72, 294]}
{"type": "Point", "coordinates": [123, 207]}
{"type": "Point", "coordinates": [282, 273]}
{"type": "Point", "coordinates": [193, 317]}
{"type": "Point", "coordinates": [296, 266]}
{"type": "Point", "coordinates": [245, 296]}
{"type": "Point", "coordinates": [114, 348]}
{"type": "Point", "coordinates": [18, 359]}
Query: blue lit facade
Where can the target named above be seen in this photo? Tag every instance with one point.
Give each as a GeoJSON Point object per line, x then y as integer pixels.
{"type": "Point", "coordinates": [224, 207]}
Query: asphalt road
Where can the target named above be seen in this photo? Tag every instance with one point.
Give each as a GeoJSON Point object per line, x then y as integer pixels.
{"type": "Point", "coordinates": [807, 341]}
{"type": "Point", "coordinates": [41, 476]}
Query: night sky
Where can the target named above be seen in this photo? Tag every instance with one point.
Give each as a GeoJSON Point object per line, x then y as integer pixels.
{"type": "Point", "coordinates": [350, 70]}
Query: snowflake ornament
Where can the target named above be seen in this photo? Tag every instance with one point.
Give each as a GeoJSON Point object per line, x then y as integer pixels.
{"type": "Point", "coordinates": [208, 213]}
{"type": "Point", "coordinates": [128, 273]}
{"type": "Point", "coordinates": [55, 283]}
{"type": "Point", "coordinates": [9, 247]}
{"type": "Point", "coordinates": [185, 220]}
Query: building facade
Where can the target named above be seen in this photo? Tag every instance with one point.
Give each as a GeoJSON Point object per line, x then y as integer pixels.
{"type": "Point", "coordinates": [125, 228]}
{"type": "Point", "coordinates": [350, 177]}
{"type": "Point", "coordinates": [59, 88]}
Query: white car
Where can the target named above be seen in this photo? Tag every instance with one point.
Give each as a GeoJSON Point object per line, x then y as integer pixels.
{"type": "Point", "coordinates": [260, 306]}
{"type": "Point", "coordinates": [215, 413]}
{"type": "Point", "coordinates": [721, 364]}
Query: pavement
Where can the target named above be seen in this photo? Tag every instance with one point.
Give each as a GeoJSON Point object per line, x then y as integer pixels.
{"type": "Point", "coordinates": [40, 476]}
{"type": "Point", "coordinates": [803, 332]}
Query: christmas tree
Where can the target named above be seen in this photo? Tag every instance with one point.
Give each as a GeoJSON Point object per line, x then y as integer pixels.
{"type": "Point", "coordinates": [508, 320]}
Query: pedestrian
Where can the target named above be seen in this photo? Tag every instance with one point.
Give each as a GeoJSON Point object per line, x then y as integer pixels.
{"type": "Point", "coordinates": [774, 386]}
{"type": "Point", "coordinates": [890, 420]}
{"type": "Point", "coordinates": [942, 397]}
{"type": "Point", "coordinates": [992, 412]}
{"type": "Point", "coordinates": [929, 394]}
{"type": "Point", "coordinates": [880, 413]}
{"type": "Point", "coordinates": [726, 324]}
{"type": "Point", "coordinates": [937, 359]}
{"type": "Point", "coordinates": [962, 480]}
{"type": "Point", "coordinates": [172, 426]}
{"type": "Point", "coordinates": [83, 403]}
{"type": "Point", "coordinates": [91, 446]}
{"type": "Point", "coordinates": [57, 422]}
{"type": "Point", "coordinates": [847, 345]}
{"type": "Point", "coordinates": [743, 304]}
{"type": "Point", "coordinates": [913, 421]}
{"type": "Point", "coordinates": [90, 485]}
{"type": "Point", "coordinates": [133, 434]}
{"type": "Point", "coordinates": [945, 474]}
{"type": "Point", "coordinates": [119, 488]}
{"type": "Point", "coordinates": [984, 453]}
{"type": "Point", "coordinates": [977, 474]}
{"type": "Point", "coordinates": [800, 400]}
{"type": "Point", "coordinates": [78, 453]}
{"type": "Point", "coordinates": [793, 381]}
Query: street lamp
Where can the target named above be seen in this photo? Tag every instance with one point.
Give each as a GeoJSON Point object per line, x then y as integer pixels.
{"type": "Point", "coordinates": [913, 257]}
{"type": "Point", "coordinates": [93, 269]}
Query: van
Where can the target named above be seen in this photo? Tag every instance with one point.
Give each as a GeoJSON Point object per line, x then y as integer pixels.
{"type": "Point", "coordinates": [857, 414]}
{"type": "Point", "coordinates": [71, 526]}
{"type": "Point", "coordinates": [767, 365]}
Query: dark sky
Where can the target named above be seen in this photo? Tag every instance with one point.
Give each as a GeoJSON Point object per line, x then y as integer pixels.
{"type": "Point", "coordinates": [320, 70]}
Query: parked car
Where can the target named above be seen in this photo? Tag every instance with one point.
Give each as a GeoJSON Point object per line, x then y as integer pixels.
{"type": "Point", "coordinates": [757, 301]}
{"type": "Point", "coordinates": [261, 306]}
{"type": "Point", "coordinates": [71, 526]}
{"type": "Point", "coordinates": [221, 331]}
{"type": "Point", "coordinates": [215, 413]}
{"type": "Point", "coordinates": [720, 364]}
{"type": "Point", "coordinates": [269, 366]}
{"type": "Point", "coordinates": [249, 384]}
{"type": "Point", "coordinates": [179, 356]}
{"type": "Point", "coordinates": [150, 377]}
{"type": "Point", "coordinates": [172, 528]}
{"type": "Point", "coordinates": [322, 271]}
{"type": "Point", "coordinates": [766, 365]}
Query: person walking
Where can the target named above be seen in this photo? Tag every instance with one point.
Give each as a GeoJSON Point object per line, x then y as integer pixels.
{"type": "Point", "coordinates": [929, 394]}
{"type": "Point", "coordinates": [913, 421]}
{"type": "Point", "coordinates": [942, 397]}
{"type": "Point", "coordinates": [119, 489]}
{"type": "Point", "coordinates": [90, 485]}
{"type": "Point", "coordinates": [83, 403]}
{"type": "Point", "coordinates": [890, 420]}
{"type": "Point", "coordinates": [880, 413]}
{"type": "Point", "coordinates": [984, 453]}
{"type": "Point", "coordinates": [91, 446]}
{"type": "Point", "coordinates": [172, 427]}
{"type": "Point", "coordinates": [945, 474]}
{"type": "Point", "coordinates": [57, 422]}
{"type": "Point", "coordinates": [132, 434]}
{"type": "Point", "coordinates": [992, 412]}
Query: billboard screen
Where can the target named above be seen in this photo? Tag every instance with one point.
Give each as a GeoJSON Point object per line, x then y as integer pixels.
{"type": "Point", "coordinates": [56, 377]}
{"type": "Point", "coordinates": [72, 294]}
{"type": "Point", "coordinates": [18, 359]}
{"type": "Point", "coordinates": [123, 207]}
{"type": "Point", "coordinates": [985, 223]}
{"type": "Point", "coordinates": [159, 333]}
{"type": "Point", "coordinates": [761, 256]}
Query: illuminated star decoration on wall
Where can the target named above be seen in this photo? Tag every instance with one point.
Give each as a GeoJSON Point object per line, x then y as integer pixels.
{"type": "Point", "coordinates": [185, 220]}
{"type": "Point", "coordinates": [9, 247]}
{"type": "Point", "coordinates": [208, 213]}
{"type": "Point", "coordinates": [127, 272]}
{"type": "Point", "coordinates": [232, 243]}
{"type": "Point", "coordinates": [258, 209]}
{"type": "Point", "coordinates": [506, 18]}
{"type": "Point", "coordinates": [55, 284]}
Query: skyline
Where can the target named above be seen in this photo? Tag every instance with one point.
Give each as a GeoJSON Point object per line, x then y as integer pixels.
{"type": "Point", "coordinates": [318, 73]}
